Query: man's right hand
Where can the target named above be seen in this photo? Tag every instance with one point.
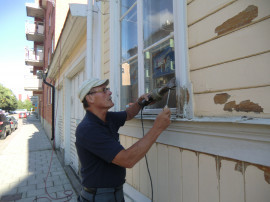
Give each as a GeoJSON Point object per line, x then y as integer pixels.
{"type": "Point", "coordinates": [163, 119]}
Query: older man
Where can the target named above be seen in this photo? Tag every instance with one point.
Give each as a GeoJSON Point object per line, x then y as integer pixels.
{"type": "Point", "coordinates": [103, 159]}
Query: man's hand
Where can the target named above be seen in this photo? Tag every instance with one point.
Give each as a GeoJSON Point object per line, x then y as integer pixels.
{"type": "Point", "coordinates": [143, 97]}
{"type": "Point", "coordinates": [163, 119]}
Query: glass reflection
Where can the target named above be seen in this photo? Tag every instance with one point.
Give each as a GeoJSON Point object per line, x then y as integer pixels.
{"type": "Point", "coordinates": [158, 20]}
{"type": "Point", "coordinates": [159, 70]}
{"type": "Point", "coordinates": [129, 83]}
{"type": "Point", "coordinates": [125, 5]}
{"type": "Point", "coordinates": [129, 40]}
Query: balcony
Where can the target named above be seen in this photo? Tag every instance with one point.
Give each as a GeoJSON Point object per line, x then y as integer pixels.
{"type": "Point", "coordinates": [32, 83]}
{"type": "Point", "coordinates": [33, 10]}
{"type": "Point", "coordinates": [34, 31]}
{"type": "Point", "coordinates": [34, 57]}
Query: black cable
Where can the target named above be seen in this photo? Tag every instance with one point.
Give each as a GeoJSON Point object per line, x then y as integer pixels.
{"type": "Point", "coordinates": [152, 195]}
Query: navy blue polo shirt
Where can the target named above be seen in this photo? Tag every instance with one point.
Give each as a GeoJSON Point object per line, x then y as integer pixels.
{"type": "Point", "coordinates": [97, 144]}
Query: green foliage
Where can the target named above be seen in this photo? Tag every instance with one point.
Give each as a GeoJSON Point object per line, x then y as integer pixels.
{"type": "Point", "coordinates": [8, 100]}
{"type": "Point", "coordinates": [28, 105]}
{"type": "Point", "coordinates": [25, 105]}
{"type": "Point", "coordinates": [20, 105]}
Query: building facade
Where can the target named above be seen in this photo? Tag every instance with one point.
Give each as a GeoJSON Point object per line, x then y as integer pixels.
{"type": "Point", "coordinates": [217, 147]}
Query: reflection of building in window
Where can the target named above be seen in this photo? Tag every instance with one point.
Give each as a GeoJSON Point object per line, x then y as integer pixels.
{"type": "Point", "coordinates": [163, 62]}
{"type": "Point", "coordinates": [125, 74]}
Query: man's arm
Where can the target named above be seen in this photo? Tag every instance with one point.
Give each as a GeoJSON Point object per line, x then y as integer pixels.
{"type": "Point", "coordinates": [134, 109]}
{"type": "Point", "coordinates": [129, 157]}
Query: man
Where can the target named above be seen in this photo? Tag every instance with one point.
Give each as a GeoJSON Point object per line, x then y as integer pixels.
{"type": "Point", "coordinates": [103, 159]}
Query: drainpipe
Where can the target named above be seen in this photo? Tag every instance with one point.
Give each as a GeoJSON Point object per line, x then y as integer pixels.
{"type": "Point", "coordinates": [89, 40]}
{"type": "Point", "coordinates": [53, 93]}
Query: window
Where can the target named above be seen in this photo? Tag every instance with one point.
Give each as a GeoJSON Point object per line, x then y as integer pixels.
{"type": "Point", "coordinates": [147, 49]}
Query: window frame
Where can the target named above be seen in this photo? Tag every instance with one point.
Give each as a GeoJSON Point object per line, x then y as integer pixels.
{"type": "Point", "coordinates": [181, 50]}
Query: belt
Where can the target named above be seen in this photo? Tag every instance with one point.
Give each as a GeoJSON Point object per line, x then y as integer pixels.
{"type": "Point", "coordinates": [95, 190]}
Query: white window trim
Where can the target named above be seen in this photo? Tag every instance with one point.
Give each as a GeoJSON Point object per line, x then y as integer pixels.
{"type": "Point", "coordinates": [181, 70]}
{"type": "Point", "coordinates": [115, 53]}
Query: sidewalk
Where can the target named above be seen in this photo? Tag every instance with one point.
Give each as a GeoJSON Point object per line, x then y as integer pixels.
{"type": "Point", "coordinates": [24, 166]}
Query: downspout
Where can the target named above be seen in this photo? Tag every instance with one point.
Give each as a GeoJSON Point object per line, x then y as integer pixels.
{"type": "Point", "coordinates": [53, 103]}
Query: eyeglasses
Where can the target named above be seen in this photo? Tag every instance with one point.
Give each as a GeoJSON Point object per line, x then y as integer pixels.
{"type": "Point", "coordinates": [103, 90]}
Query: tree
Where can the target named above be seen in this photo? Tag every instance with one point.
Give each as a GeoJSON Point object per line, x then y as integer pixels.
{"type": "Point", "coordinates": [25, 105]}
{"type": "Point", "coordinates": [8, 100]}
{"type": "Point", "coordinates": [28, 105]}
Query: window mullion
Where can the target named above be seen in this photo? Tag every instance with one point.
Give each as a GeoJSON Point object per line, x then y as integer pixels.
{"type": "Point", "coordinates": [181, 62]}
{"type": "Point", "coordinates": [140, 48]}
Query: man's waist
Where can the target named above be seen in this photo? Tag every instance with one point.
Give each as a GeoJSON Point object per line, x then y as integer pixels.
{"type": "Point", "coordinates": [102, 190]}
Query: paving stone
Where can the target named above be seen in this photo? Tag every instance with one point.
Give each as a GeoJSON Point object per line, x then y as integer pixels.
{"type": "Point", "coordinates": [25, 163]}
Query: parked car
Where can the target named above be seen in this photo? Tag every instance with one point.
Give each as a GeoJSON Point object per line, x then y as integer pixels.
{"type": "Point", "coordinates": [22, 115]}
{"type": "Point", "coordinates": [5, 128]}
{"type": "Point", "coordinates": [13, 122]}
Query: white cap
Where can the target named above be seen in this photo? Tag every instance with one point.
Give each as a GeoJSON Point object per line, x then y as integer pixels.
{"type": "Point", "coordinates": [87, 85]}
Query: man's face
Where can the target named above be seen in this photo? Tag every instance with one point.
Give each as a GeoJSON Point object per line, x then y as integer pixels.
{"type": "Point", "coordinates": [101, 97]}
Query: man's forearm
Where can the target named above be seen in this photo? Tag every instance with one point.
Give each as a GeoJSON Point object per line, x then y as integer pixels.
{"type": "Point", "coordinates": [133, 110]}
{"type": "Point", "coordinates": [129, 157]}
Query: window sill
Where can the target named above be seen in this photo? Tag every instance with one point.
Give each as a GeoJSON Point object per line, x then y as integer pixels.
{"type": "Point", "coordinates": [240, 120]}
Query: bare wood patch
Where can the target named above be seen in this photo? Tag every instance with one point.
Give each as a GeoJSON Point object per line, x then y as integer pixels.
{"type": "Point", "coordinates": [244, 106]}
{"type": "Point", "coordinates": [243, 18]}
{"type": "Point", "coordinates": [247, 106]}
{"type": "Point", "coordinates": [221, 98]}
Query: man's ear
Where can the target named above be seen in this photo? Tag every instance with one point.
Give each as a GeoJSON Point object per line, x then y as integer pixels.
{"type": "Point", "coordinates": [89, 99]}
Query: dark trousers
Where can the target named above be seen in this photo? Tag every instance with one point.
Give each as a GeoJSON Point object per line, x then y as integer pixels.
{"type": "Point", "coordinates": [102, 195]}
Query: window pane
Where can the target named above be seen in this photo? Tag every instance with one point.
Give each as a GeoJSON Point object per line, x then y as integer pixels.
{"type": "Point", "coordinates": [158, 20]}
{"type": "Point", "coordinates": [159, 70]}
{"type": "Point", "coordinates": [129, 40]}
{"type": "Point", "coordinates": [125, 5]}
{"type": "Point", "coordinates": [129, 83]}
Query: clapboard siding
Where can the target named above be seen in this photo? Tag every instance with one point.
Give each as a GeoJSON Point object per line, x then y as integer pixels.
{"type": "Point", "coordinates": [254, 72]}
{"type": "Point", "coordinates": [231, 181]}
{"type": "Point", "coordinates": [163, 172]}
{"type": "Point", "coordinates": [73, 152]}
{"type": "Point", "coordinates": [248, 41]}
{"type": "Point", "coordinates": [61, 131]}
{"type": "Point", "coordinates": [181, 175]}
{"type": "Point", "coordinates": [199, 9]}
{"type": "Point", "coordinates": [208, 175]}
{"type": "Point", "coordinates": [256, 186]}
{"type": "Point", "coordinates": [256, 98]}
{"type": "Point", "coordinates": [175, 179]}
{"type": "Point", "coordinates": [204, 30]}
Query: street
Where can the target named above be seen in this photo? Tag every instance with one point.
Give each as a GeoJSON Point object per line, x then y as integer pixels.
{"type": "Point", "coordinates": [30, 170]}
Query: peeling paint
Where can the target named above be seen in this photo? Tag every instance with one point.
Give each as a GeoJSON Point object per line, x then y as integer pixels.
{"type": "Point", "coordinates": [266, 171]}
{"type": "Point", "coordinates": [247, 106]}
{"type": "Point", "coordinates": [240, 167]}
{"type": "Point", "coordinates": [241, 19]}
{"type": "Point", "coordinates": [221, 98]}
{"type": "Point", "coordinates": [244, 106]}
{"type": "Point", "coordinates": [229, 106]}
{"type": "Point", "coordinates": [184, 98]}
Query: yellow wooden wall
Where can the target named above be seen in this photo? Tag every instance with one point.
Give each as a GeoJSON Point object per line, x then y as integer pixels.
{"type": "Point", "coordinates": [181, 175]}
{"type": "Point", "coordinates": [105, 55]}
{"type": "Point", "coordinates": [229, 55]}
{"type": "Point", "coordinates": [61, 11]}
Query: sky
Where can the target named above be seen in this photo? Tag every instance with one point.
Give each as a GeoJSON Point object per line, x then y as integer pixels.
{"type": "Point", "coordinates": [12, 43]}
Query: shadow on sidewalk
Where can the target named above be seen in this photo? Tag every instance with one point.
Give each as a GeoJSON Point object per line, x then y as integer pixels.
{"type": "Point", "coordinates": [29, 161]}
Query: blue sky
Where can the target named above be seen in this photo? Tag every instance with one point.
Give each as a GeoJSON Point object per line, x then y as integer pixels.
{"type": "Point", "coordinates": [12, 43]}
